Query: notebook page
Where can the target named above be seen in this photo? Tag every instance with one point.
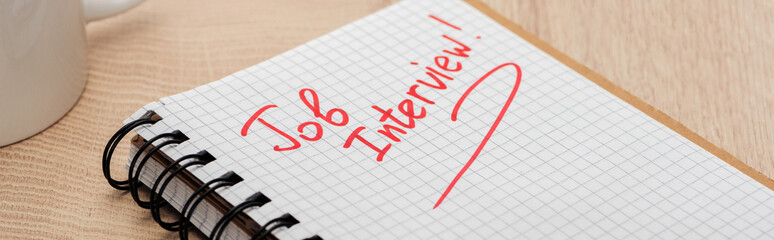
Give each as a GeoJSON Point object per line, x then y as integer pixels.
{"type": "Point", "coordinates": [567, 159]}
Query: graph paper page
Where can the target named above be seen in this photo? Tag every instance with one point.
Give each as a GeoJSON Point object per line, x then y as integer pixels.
{"type": "Point", "coordinates": [561, 158]}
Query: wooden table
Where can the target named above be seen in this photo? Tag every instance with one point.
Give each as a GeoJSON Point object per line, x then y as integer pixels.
{"type": "Point", "coordinates": [707, 64]}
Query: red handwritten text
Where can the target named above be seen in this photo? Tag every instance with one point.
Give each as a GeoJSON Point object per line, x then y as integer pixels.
{"type": "Point", "coordinates": [397, 121]}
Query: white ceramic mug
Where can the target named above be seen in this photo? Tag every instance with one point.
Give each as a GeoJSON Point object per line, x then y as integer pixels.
{"type": "Point", "coordinates": [43, 60]}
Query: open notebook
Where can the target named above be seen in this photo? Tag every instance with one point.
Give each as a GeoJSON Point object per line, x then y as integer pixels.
{"type": "Point", "coordinates": [429, 119]}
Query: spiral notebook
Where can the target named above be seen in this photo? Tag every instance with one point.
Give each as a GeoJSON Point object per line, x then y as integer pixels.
{"type": "Point", "coordinates": [437, 119]}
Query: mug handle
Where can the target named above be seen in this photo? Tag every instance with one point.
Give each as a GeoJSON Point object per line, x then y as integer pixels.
{"type": "Point", "coordinates": [99, 9]}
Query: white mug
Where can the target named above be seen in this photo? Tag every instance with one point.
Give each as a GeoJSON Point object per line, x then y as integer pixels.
{"type": "Point", "coordinates": [43, 60]}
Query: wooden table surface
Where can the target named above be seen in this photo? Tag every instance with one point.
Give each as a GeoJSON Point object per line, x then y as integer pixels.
{"type": "Point", "coordinates": [707, 64]}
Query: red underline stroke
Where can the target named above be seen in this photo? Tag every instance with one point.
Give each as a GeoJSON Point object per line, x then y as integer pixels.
{"type": "Point", "coordinates": [491, 129]}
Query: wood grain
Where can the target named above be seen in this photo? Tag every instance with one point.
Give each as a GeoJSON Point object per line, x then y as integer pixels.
{"type": "Point", "coordinates": [705, 63]}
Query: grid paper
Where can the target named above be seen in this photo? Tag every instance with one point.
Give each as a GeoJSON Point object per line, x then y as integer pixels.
{"type": "Point", "coordinates": [568, 160]}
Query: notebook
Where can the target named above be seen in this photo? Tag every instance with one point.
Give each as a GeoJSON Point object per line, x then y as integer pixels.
{"type": "Point", "coordinates": [438, 119]}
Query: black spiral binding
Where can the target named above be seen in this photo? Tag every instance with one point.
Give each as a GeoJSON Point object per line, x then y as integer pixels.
{"type": "Point", "coordinates": [286, 220]}
{"type": "Point", "coordinates": [149, 117]}
{"type": "Point", "coordinates": [255, 200]}
{"type": "Point", "coordinates": [201, 158]}
{"type": "Point", "coordinates": [156, 200]}
{"type": "Point", "coordinates": [228, 179]}
{"type": "Point", "coordinates": [134, 176]}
